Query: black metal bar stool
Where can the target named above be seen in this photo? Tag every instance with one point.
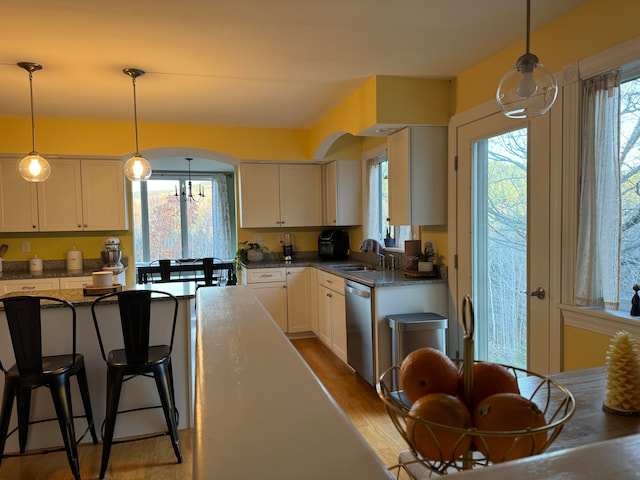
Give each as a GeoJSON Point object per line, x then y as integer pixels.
{"type": "Point", "coordinates": [32, 369]}
{"type": "Point", "coordinates": [137, 357]}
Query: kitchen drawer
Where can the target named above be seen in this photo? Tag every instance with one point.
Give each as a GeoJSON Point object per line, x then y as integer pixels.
{"type": "Point", "coordinates": [29, 285]}
{"type": "Point", "coordinates": [332, 282]}
{"type": "Point", "coordinates": [262, 275]}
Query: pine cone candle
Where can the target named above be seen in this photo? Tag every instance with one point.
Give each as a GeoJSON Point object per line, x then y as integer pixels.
{"type": "Point", "coordinates": [623, 375]}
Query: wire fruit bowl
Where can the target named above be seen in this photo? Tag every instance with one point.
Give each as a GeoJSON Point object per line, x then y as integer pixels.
{"type": "Point", "coordinates": [554, 400]}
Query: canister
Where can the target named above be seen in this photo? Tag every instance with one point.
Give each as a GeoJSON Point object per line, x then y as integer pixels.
{"type": "Point", "coordinates": [35, 265]}
{"type": "Point", "coordinates": [74, 260]}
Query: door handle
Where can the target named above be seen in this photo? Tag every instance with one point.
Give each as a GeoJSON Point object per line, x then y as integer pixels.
{"type": "Point", "coordinates": [538, 292]}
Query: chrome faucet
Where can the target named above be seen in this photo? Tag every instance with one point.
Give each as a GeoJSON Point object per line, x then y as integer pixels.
{"type": "Point", "coordinates": [381, 260]}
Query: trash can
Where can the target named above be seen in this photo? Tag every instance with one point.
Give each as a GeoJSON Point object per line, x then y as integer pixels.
{"type": "Point", "coordinates": [411, 331]}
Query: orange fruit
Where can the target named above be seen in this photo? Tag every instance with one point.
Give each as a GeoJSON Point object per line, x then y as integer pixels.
{"type": "Point", "coordinates": [505, 412]}
{"type": "Point", "coordinates": [427, 370]}
{"type": "Point", "coordinates": [490, 378]}
{"type": "Point", "coordinates": [435, 443]}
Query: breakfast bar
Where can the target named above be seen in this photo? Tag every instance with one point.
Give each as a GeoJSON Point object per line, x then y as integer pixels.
{"type": "Point", "coordinates": [260, 412]}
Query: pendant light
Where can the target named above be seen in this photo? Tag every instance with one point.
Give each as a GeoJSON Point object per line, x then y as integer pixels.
{"type": "Point", "coordinates": [137, 168]}
{"type": "Point", "coordinates": [187, 193]}
{"type": "Point", "coordinates": [33, 167]}
{"type": "Point", "coordinates": [529, 89]}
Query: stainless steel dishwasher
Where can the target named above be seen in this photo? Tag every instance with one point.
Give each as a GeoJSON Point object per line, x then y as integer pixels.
{"type": "Point", "coordinates": [360, 334]}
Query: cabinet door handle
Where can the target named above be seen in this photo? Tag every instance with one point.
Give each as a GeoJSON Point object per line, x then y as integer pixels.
{"type": "Point", "coordinates": [26, 287]}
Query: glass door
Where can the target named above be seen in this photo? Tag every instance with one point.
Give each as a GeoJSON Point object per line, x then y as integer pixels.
{"type": "Point", "coordinates": [503, 238]}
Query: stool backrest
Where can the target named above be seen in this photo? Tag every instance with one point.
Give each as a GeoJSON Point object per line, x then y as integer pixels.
{"type": "Point", "coordinates": [134, 307]}
{"type": "Point", "coordinates": [24, 319]}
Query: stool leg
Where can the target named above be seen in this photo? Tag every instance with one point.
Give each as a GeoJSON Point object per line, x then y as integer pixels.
{"type": "Point", "coordinates": [61, 396]}
{"type": "Point", "coordinates": [162, 376]}
{"type": "Point", "coordinates": [83, 386]}
{"type": "Point", "coordinates": [5, 412]}
{"type": "Point", "coordinates": [23, 407]}
{"type": "Point", "coordinates": [115, 377]}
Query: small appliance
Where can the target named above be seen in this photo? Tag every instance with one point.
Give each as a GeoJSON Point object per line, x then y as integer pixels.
{"type": "Point", "coordinates": [287, 248]}
{"type": "Point", "coordinates": [112, 254]}
{"type": "Point", "coordinates": [333, 245]}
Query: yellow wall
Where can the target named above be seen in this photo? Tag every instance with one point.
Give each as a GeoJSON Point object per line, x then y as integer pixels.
{"type": "Point", "coordinates": [583, 349]}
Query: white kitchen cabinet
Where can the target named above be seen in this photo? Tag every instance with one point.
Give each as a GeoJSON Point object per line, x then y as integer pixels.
{"type": "Point", "coordinates": [280, 195]}
{"type": "Point", "coordinates": [298, 300]}
{"type": "Point", "coordinates": [342, 193]}
{"type": "Point", "coordinates": [270, 286]}
{"type": "Point", "coordinates": [83, 195]}
{"type": "Point", "coordinates": [332, 321]}
{"type": "Point", "coordinates": [418, 176]}
{"type": "Point", "coordinates": [285, 293]}
{"type": "Point", "coordinates": [75, 282]}
{"type": "Point", "coordinates": [79, 195]}
{"type": "Point", "coordinates": [18, 199]}
{"type": "Point", "coordinates": [29, 284]}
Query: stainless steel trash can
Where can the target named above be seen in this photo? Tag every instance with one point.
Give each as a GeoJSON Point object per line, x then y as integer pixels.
{"type": "Point", "coordinates": [411, 331]}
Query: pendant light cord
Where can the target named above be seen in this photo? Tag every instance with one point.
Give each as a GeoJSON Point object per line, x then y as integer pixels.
{"type": "Point", "coordinates": [33, 124]}
{"type": "Point", "coordinates": [135, 111]}
{"type": "Point", "coordinates": [528, 24]}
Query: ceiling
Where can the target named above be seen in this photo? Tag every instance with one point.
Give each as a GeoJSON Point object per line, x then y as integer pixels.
{"type": "Point", "coordinates": [258, 63]}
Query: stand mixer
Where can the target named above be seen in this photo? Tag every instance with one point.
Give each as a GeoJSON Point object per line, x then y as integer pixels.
{"type": "Point", "coordinates": [112, 254]}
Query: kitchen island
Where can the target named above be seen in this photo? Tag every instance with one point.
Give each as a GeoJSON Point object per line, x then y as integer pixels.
{"type": "Point", "coordinates": [260, 412]}
{"type": "Point", "coordinates": [139, 392]}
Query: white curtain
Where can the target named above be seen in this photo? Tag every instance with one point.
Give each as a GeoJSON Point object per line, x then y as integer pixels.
{"type": "Point", "coordinates": [371, 227]}
{"type": "Point", "coordinates": [599, 229]}
{"type": "Point", "coordinates": [222, 247]}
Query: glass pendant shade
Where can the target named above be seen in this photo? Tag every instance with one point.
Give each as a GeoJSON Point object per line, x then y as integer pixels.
{"type": "Point", "coordinates": [527, 90]}
{"type": "Point", "coordinates": [34, 168]}
{"type": "Point", "coordinates": [137, 168]}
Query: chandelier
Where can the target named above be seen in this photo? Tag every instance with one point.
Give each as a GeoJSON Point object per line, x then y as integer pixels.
{"type": "Point", "coordinates": [186, 195]}
{"type": "Point", "coordinates": [529, 89]}
{"type": "Point", "coordinates": [33, 167]}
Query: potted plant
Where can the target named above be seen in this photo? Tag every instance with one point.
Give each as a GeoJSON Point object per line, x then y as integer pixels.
{"type": "Point", "coordinates": [428, 258]}
{"type": "Point", "coordinates": [250, 252]}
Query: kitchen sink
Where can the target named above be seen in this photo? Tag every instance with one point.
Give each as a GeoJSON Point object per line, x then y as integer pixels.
{"type": "Point", "coordinates": [354, 268]}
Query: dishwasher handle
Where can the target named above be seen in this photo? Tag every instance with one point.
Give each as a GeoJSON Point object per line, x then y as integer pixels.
{"type": "Point", "coordinates": [355, 291]}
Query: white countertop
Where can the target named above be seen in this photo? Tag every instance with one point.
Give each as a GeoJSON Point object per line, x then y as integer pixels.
{"type": "Point", "coordinates": [260, 412]}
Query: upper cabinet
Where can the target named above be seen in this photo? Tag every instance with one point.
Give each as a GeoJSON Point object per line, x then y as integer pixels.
{"type": "Point", "coordinates": [18, 199]}
{"type": "Point", "coordinates": [342, 193]}
{"type": "Point", "coordinates": [418, 176]}
{"type": "Point", "coordinates": [280, 195]}
{"type": "Point", "coordinates": [80, 195]}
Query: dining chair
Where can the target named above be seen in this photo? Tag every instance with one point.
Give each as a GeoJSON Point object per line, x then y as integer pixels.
{"type": "Point", "coordinates": [135, 356]}
{"type": "Point", "coordinates": [33, 369]}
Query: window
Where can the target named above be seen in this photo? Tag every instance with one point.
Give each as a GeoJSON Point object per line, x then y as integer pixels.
{"type": "Point", "coordinates": [608, 264]}
{"type": "Point", "coordinates": [165, 227]}
{"type": "Point", "coordinates": [630, 184]}
{"type": "Point", "coordinates": [376, 225]}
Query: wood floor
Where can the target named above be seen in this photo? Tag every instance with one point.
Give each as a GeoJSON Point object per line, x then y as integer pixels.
{"type": "Point", "coordinates": [154, 458]}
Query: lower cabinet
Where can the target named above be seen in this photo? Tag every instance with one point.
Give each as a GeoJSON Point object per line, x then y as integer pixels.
{"type": "Point", "coordinates": [332, 322]}
{"type": "Point", "coordinates": [285, 293]}
{"type": "Point", "coordinates": [29, 285]}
